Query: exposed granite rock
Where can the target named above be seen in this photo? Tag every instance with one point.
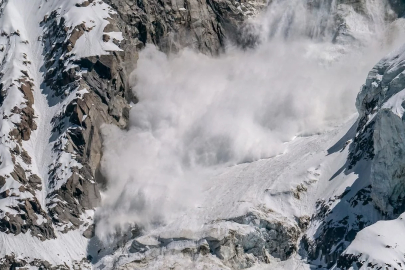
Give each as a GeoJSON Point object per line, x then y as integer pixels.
{"type": "Point", "coordinates": [337, 222]}
{"type": "Point", "coordinates": [89, 232]}
{"type": "Point", "coordinates": [381, 124]}
{"type": "Point", "coordinates": [77, 128]}
{"type": "Point", "coordinates": [24, 128]}
{"type": "Point", "coordinates": [31, 218]}
{"type": "Point", "coordinates": [350, 260]}
{"type": "Point", "coordinates": [172, 25]}
{"type": "Point", "coordinates": [26, 211]}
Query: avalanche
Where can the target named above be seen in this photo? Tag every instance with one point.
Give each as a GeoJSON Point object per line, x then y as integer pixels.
{"type": "Point", "coordinates": [243, 150]}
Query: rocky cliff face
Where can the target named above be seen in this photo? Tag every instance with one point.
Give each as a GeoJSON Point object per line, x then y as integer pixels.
{"type": "Point", "coordinates": [376, 156]}
{"type": "Point", "coordinates": [380, 108]}
{"type": "Point", "coordinates": [379, 142]}
{"type": "Point", "coordinates": [173, 25]}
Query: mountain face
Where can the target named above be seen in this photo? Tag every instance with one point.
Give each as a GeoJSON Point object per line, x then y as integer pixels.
{"type": "Point", "coordinates": [71, 71]}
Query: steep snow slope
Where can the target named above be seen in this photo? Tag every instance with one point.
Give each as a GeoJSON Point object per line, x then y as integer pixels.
{"type": "Point", "coordinates": [379, 245]}
{"type": "Point", "coordinates": [34, 162]}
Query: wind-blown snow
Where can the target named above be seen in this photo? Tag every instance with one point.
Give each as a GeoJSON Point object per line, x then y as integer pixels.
{"type": "Point", "coordinates": [198, 115]}
{"type": "Point", "coordinates": [263, 185]}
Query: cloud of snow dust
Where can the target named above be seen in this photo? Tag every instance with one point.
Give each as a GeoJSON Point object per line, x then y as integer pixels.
{"type": "Point", "coordinates": [197, 113]}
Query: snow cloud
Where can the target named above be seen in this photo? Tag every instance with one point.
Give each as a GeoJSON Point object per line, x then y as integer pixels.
{"type": "Point", "coordinates": [198, 113]}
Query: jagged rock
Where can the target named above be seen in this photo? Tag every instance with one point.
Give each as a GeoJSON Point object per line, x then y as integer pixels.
{"type": "Point", "coordinates": [77, 32]}
{"type": "Point", "coordinates": [381, 125]}
{"type": "Point", "coordinates": [348, 261]}
{"type": "Point", "coordinates": [19, 174]}
{"type": "Point", "coordinates": [89, 232]}
{"type": "Point", "coordinates": [24, 128]}
{"type": "Point", "coordinates": [105, 80]}
{"type": "Point", "coordinates": [84, 3]}
{"type": "Point", "coordinates": [25, 157]}
{"type": "Point", "coordinates": [175, 25]}
{"type": "Point", "coordinates": [106, 38]}
{"type": "Point", "coordinates": [35, 181]}
{"type": "Point", "coordinates": [73, 197]}
{"type": "Point", "coordinates": [376, 156]}
{"type": "Point", "coordinates": [303, 222]}
{"type": "Point", "coordinates": [26, 88]}
{"type": "Point", "coordinates": [5, 194]}
{"type": "Point", "coordinates": [11, 262]}
{"type": "Point", "coordinates": [29, 210]}
{"type": "Point", "coordinates": [2, 181]}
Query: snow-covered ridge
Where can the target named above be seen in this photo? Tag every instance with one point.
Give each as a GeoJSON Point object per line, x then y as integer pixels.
{"type": "Point", "coordinates": [380, 105]}
{"type": "Point", "coordinates": [381, 134]}
{"type": "Point", "coordinates": [40, 40]}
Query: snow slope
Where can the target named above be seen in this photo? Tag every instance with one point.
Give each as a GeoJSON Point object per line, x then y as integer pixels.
{"type": "Point", "coordinates": [22, 53]}
{"type": "Point", "coordinates": [380, 245]}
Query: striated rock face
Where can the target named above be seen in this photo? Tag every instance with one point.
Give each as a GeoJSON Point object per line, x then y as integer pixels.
{"type": "Point", "coordinates": [58, 161]}
{"type": "Point", "coordinates": [21, 211]}
{"type": "Point", "coordinates": [172, 25]}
